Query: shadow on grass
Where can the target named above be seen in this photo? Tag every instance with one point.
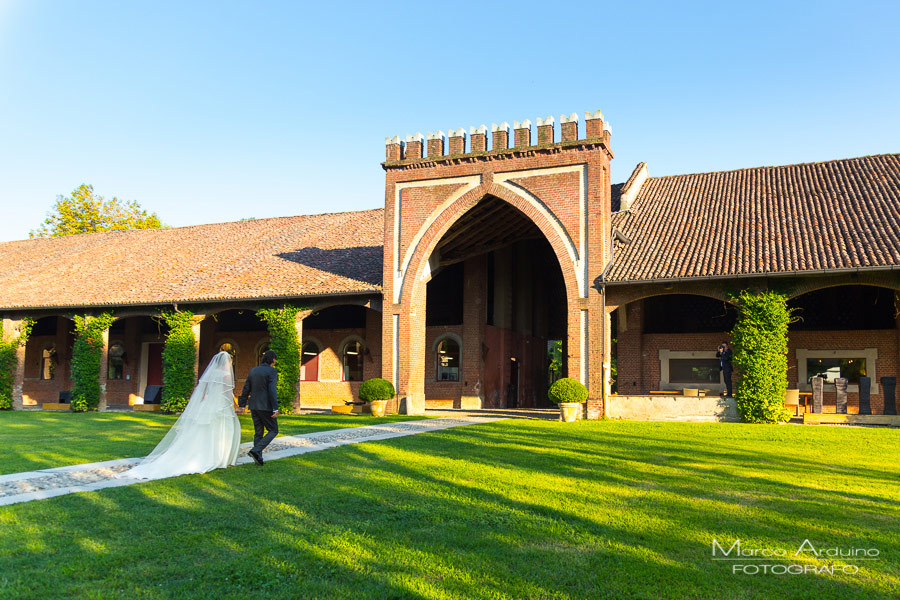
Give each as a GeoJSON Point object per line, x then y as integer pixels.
{"type": "Point", "coordinates": [506, 510]}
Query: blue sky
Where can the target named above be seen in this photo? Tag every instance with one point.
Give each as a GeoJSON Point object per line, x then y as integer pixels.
{"type": "Point", "coordinates": [216, 111]}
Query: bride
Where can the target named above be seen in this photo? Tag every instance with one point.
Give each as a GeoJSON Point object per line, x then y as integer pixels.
{"type": "Point", "coordinates": [207, 434]}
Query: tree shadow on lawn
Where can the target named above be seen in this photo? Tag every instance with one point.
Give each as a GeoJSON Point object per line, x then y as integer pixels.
{"type": "Point", "coordinates": [401, 519]}
{"type": "Point", "coordinates": [686, 455]}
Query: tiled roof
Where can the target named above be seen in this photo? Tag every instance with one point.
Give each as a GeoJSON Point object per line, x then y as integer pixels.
{"type": "Point", "coordinates": [266, 258]}
{"type": "Point", "coordinates": [840, 214]}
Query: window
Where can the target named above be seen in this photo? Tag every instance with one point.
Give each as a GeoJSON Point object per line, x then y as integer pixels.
{"type": "Point", "coordinates": [260, 350]}
{"type": "Point", "coordinates": [832, 368]}
{"type": "Point", "coordinates": [447, 359]}
{"type": "Point", "coordinates": [116, 359]}
{"type": "Point", "coordinates": [309, 362]}
{"type": "Point", "coordinates": [48, 362]}
{"type": "Point", "coordinates": [694, 370]}
{"type": "Point", "coordinates": [353, 361]}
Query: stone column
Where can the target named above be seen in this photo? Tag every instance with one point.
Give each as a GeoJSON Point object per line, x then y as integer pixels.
{"type": "Point", "coordinates": [840, 403]}
{"type": "Point", "coordinates": [104, 371]}
{"type": "Point", "coordinates": [11, 330]}
{"type": "Point", "coordinates": [818, 390]}
{"type": "Point", "coordinates": [865, 395]}
{"type": "Point", "coordinates": [195, 329]}
{"type": "Point", "coordinates": [298, 325]}
{"type": "Point", "coordinates": [889, 389]}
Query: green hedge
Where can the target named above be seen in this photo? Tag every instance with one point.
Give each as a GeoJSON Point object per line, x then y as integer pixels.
{"type": "Point", "coordinates": [567, 390]}
{"type": "Point", "coordinates": [760, 340]}
{"type": "Point", "coordinates": [179, 360]}
{"type": "Point", "coordinates": [87, 352]}
{"type": "Point", "coordinates": [286, 344]}
{"type": "Point", "coordinates": [376, 389]}
{"type": "Point", "coordinates": [9, 362]}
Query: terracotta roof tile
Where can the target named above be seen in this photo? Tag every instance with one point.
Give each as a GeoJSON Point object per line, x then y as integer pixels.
{"type": "Point", "coordinates": [833, 215]}
{"type": "Point", "coordinates": [266, 258]}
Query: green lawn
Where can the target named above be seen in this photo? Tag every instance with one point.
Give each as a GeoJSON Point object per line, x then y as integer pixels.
{"type": "Point", "coordinates": [39, 440]}
{"type": "Point", "coordinates": [514, 509]}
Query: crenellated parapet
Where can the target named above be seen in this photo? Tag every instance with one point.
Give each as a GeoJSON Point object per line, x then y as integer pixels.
{"type": "Point", "coordinates": [438, 146]}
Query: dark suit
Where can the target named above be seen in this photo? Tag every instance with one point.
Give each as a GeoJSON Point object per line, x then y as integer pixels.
{"type": "Point", "coordinates": [261, 388]}
{"type": "Point", "coordinates": [726, 367]}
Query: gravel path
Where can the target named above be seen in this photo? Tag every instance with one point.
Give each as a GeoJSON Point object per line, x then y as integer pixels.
{"type": "Point", "coordinates": [48, 483]}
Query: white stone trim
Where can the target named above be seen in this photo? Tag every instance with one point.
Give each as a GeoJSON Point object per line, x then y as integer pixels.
{"type": "Point", "coordinates": [870, 354]}
{"type": "Point", "coordinates": [666, 355]}
{"type": "Point", "coordinates": [395, 358]}
{"type": "Point", "coordinates": [630, 195]}
{"type": "Point", "coordinates": [471, 182]}
{"type": "Point", "coordinates": [577, 256]}
{"type": "Point", "coordinates": [583, 345]}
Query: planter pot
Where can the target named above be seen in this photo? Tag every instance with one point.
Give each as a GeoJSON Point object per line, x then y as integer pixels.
{"type": "Point", "coordinates": [378, 407]}
{"type": "Point", "coordinates": [569, 411]}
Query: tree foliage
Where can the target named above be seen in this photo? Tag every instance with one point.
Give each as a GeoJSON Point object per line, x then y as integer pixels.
{"type": "Point", "coordinates": [286, 344]}
{"type": "Point", "coordinates": [179, 358]}
{"type": "Point", "coordinates": [9, 361]}
{"type": "Point", "coordinates": [760, 340]}
{"type": "Point", "coordinates": [86, 212]}
{"type": "Point", "coordinates": [87, 351]}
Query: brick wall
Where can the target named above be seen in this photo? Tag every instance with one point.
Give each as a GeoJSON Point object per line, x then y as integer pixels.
{"type": "Point", "coordinates": [568, 167]}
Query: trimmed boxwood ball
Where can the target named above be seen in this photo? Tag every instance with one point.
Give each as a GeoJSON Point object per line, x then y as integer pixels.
{"type": "Point", "coordinates": [568, 390]}
{"type": "Point", "coordinates": [376, 389]}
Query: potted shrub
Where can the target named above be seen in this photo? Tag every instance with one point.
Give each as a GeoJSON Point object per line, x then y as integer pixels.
{"type": "Point", "coordinates": [376, 392]}
{"type": "Point", "coordinates": [569, 394]}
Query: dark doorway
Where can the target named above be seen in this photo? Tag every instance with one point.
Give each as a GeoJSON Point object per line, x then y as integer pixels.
{"type": "Point", "coordinates": [512, 395]}
{"type": "Point", "coordinates": [154, 364]}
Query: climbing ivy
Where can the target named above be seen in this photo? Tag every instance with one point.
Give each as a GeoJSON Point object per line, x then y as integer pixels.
{"type": "Point", "coordinates": [286, 344]}
{"type": "Point", "coordinates": [760, 339]}
{"type": "Point", "coordinates": [179, 358]}
{"type": "Point", "coordinates": [87, 351]}
{"type": "Point", "coordinates": [9, 362]}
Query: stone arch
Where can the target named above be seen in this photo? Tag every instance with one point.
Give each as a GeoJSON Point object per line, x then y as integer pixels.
{"type": "Point", "coordinates": [438, 224]}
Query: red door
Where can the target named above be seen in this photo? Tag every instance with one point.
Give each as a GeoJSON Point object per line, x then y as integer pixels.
{"type": "Point", "coordinates": [154, 364]}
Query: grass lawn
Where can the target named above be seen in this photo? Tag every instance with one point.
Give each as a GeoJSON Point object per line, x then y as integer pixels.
{"type": "Point", "coordinates": [40, 440]}
{"type": "Point", "coordinates": [514, 509]}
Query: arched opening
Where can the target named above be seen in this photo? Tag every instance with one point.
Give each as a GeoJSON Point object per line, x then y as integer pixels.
{"type": "Point", "coordinates": [134, 372]}
{"type": "Point", "coordinates": [847, 331]}
{"type": "Point", "coordinates": [309, 360]}
{"type": "Point", "coordinates": [240, 332]}
{"type": "Point", "coordinates": [668, 343]}
{"type": "Point", "coordinates": [48, 355]}
{"type": "Point", "coordinates": [341, 348]}
{"type": "Point", "coordinates": [496, 293]}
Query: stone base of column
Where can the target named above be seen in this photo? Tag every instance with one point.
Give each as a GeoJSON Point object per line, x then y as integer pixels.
{"type": "Point", "coordinates": [471, 402]}
{"type": "Point", "coordinates": [412, 404]}
{"type": "Point", "coordinates": [594, 409]}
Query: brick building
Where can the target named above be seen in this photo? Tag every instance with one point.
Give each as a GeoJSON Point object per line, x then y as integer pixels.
{"type": "Point", "coordinates": [496, 259]}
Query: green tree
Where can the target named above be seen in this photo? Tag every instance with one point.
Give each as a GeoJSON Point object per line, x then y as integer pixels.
{"type": "Point", "coordinates": [86, 212]}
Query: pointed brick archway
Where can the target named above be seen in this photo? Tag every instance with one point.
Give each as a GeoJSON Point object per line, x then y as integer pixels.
{"type": "Point", "coordinates": [562, 191]}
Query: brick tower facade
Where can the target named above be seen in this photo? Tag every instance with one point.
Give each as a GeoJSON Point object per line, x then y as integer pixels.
{"type": "Point", "coordinates": [504, 189]}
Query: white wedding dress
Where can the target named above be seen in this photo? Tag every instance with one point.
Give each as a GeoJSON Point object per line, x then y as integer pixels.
{"type": "Point", "coordinates": [207, 434]}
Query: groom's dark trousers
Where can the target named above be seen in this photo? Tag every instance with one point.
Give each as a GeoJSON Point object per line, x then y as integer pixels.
{"type": "Point", "coordinates": [261, 394]}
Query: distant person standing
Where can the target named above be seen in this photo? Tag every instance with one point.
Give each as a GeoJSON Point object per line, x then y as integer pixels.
{"type": "Point", "coordinates": [724, 354]}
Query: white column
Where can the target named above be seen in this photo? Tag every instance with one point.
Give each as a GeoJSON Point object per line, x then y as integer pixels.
{"type": "Point", "coordinates": [104, 370]}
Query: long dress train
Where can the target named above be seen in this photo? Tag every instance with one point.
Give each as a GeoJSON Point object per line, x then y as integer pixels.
{"type": "Point", "coordinates": [206, 436]}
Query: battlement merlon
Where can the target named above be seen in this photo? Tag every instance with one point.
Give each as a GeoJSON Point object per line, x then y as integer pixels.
{"type": "Point", "coordinates": [399, 151]}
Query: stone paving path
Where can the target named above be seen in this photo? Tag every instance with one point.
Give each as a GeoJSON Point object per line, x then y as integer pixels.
{"type": "Point", "coordinates": [48, 483]}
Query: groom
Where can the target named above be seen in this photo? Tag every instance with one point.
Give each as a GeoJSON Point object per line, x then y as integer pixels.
{"type": "Point", "coordinates": [262, 388]}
